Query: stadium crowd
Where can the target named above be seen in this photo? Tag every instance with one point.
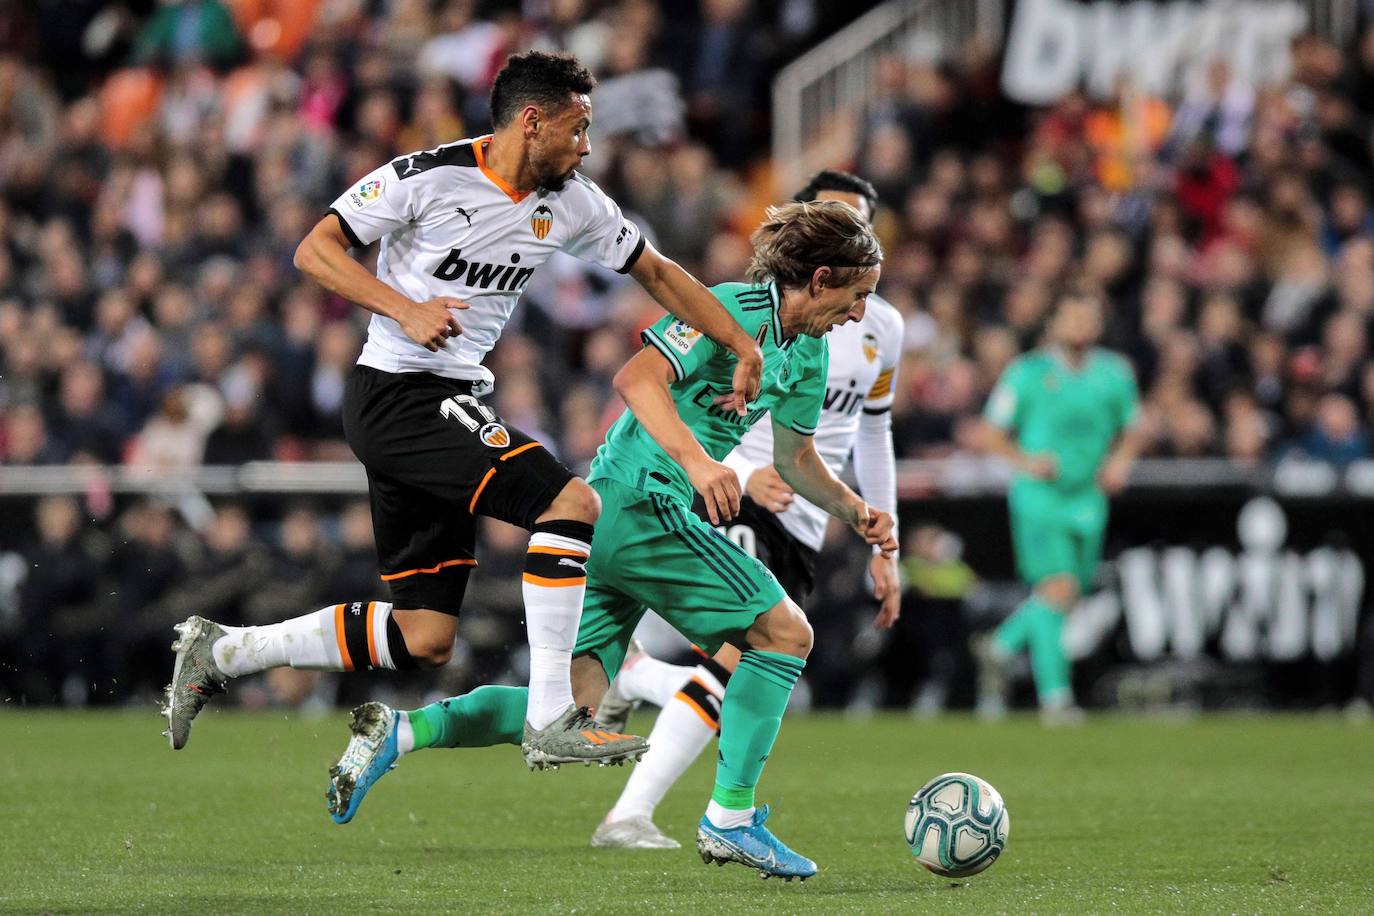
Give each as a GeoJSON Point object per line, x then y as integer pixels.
{"type": "Point", "coordinates": [160, 162]}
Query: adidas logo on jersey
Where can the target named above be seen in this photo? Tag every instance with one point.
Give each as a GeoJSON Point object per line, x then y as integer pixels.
{"type": "Point", "coordinates": [480, 275]}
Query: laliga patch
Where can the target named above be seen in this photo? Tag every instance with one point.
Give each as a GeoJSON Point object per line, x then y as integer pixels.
{"type": "Point", "coordinates": [682, 335]}
{"type": "Point", "coordinates": [365, 194]}
{"type": "Point", "coordinates": [494, 435]}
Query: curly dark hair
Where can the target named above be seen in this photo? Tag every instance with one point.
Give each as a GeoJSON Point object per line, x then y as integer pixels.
{"type": "Point", "coordinates": [844, 182]}
{"type": "Point", "coordinates": [799, 237]}
{"type": "Point", "coordinates": [537, 78]}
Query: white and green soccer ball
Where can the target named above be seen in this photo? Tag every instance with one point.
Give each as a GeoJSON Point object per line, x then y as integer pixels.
{"type": "Point", "coordinates": [956, 825]}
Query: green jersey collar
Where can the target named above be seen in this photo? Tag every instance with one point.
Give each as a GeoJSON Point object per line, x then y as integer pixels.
{"type": "Point", "coordinates": [1061, 356]}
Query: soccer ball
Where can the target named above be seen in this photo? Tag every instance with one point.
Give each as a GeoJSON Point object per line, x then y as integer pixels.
{"type": "Point", "coordinates": [956, 825]}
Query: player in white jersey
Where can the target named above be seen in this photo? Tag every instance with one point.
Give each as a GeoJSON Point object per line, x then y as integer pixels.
{"type": "Point", "coordinates": [462, 228]}
{"type": "Point", "coordinates": [780, 528]}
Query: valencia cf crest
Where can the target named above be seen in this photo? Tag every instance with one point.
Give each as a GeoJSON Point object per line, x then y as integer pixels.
{"type": "Point", "coordinates": [541, 221]}
{"type": "Point", "coordinates": [870, 347]}
{"type": "Point", "coordinates": [494, 435]}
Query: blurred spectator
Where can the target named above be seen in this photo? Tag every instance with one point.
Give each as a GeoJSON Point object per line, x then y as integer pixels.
{"type": "Point", "coordinates": [64, 625]}
{"type": "Point", "coordinates": [1334, 436]}
{"type": "Point", "coordinates": [182, 32]}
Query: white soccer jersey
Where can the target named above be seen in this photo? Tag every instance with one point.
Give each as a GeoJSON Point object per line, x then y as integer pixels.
{"type": "Point", "coordinates": [450, 226]}
{"type": "Point", "coordinates": [856, 418]}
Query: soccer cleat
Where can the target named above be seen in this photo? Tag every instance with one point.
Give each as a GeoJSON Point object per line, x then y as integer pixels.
{"type": "Point", "coordinates": [638, 832]}
{"type": "Point", "coordinates": [195, 677]}
{"type": "Point", "coordinates": [575, 737]}
{"type": "Point", "coordinates": [753, 846]}
{"type": "Point", "coordinates": [614, 711]}
{"type": "Point", "coordinates": [370, 755]}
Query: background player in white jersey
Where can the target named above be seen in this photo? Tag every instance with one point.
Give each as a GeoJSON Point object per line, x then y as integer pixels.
{"type": "Point", "coordinates": [462, 228]}
{"type": "Point", "coordinates": [780, 528]}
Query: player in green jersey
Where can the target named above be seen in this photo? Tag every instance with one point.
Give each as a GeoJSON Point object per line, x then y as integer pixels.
{"type": "Point", "coordinates": [1055, 414]}
{"type": "Point", "coordinates": [814, 265]}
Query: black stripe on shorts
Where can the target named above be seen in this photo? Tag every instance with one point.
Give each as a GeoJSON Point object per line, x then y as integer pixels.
{"type": "Point", "coordinates": [660, 507]}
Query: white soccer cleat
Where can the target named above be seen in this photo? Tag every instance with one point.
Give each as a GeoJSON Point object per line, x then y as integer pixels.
{"type": "Point", "coordinates": [638, 832]}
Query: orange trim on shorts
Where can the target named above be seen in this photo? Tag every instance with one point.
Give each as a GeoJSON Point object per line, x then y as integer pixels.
{"type": "Point", "coordinates": [472, 506]}
{"type": "Point", "coordinates": [554, 583]}
{"type": "Point", "coordinates": [558, 551]}
{"type": "Point", "coordinates": [524, 448]}
{"type": "Point", "coordinates": [433, 569]}
{"type": "Point", "coordinates": [371, 639]}
{"type": "Point", "coordinates": [339, 635]}
{"type": "Point", "coordinates": [706, 717]}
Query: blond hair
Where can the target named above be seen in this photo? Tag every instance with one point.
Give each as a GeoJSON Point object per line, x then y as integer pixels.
{"type": "Point", "coordinates": [799, 237]}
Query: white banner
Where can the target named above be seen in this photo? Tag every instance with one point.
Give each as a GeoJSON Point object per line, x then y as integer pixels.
{"type": "Point", "coordinates": [1057, 45]}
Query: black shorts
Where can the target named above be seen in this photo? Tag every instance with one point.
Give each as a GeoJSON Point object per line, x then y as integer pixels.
{"type": "Point", "coordinates": [759, 534]}
{"type": "Point", "coordinates": [437, 458]}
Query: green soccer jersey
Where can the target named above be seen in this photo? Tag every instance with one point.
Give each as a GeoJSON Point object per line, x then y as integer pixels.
{"type": "Point", "coordinates": [1071, 414]}
{"type": "Point", "coordinates": [792, 389]}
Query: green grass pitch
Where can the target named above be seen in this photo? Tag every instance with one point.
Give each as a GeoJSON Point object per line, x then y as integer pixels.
{"type": "Point", "coordinates": [1221, 815]}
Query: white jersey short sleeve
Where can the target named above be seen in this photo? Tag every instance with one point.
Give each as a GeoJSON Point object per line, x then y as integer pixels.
{"type": "Point", "coordinates": [607, 238]}
{"type": "Point", "coordinates": [863, 360]}
{"type": "Point", "coordinates": [449, 226]}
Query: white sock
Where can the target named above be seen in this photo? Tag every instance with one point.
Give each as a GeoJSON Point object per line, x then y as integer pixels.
{"type": "Point", "coordinates": [728, 818]}
{"type": "Point", "coordinates": [405, 735]}
{"type": "Point", "coordinates": [680, 735]}
{"type": "Point", "coordinates": [647, 678]}
{"type": "Point", "coordinates": [313, 642]}
{"type": "Point", "coordinates": [554, 585]}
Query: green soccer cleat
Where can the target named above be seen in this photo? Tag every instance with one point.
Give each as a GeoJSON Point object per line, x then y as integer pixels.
{"type": "Point", "coordinates": [195, 677]}
{"type": "Point", "coordinates": [637, 832]}
{"type": "Point", "coordinates": [575, 737]}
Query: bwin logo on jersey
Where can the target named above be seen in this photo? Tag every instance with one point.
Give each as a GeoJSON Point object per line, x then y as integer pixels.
{"type": "Point", "coordinates": [541, 221]}
{"type": "Point", "coordinates": [480, 275]}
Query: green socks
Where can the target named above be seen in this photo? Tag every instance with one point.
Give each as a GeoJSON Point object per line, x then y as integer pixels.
{"type": "Point", "coordinates": [1037, 625]}
{"type": "Point", "coordinates": [750, 717]}
{"type": "Point", "coordinates": [487, 716]}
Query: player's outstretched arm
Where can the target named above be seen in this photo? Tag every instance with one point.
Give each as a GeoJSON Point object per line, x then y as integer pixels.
{"type": "Point", "coordinates": [323, 256]}
{"type": "Point", "coordinates": [799, 464]}
{"type": "Point", "coordinates": [643, 383]}
{"type": "Point", "coordinates": [683, 295]}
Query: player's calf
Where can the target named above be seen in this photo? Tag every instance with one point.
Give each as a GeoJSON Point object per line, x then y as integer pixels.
{"type": "Point", "coordinates": [361, 635]}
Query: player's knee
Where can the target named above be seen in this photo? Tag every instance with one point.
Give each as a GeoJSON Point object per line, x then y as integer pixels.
{"type": "Point", "coordinates": [430, 652]}
{"type": "Point", "coordinates": [793, 634]}
{"type": "Point", "coordinates": [577, 501]}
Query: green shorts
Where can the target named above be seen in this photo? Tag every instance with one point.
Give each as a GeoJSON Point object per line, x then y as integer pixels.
{"type": "Point", "coordinates": [652, 551]}
{"type": "Point", "coordinates": [1056, 535]}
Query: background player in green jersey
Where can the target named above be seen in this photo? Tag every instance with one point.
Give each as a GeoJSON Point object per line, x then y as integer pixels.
{"type": "Point", "coordinates": [1055, 414]}
{"type": "Point", "coordinates": [814, 265]}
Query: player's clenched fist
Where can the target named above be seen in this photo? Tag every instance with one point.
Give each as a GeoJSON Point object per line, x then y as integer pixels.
{"type": "Point", "coordinates": [430, 324]}
{"type": "Point", "coordinates": [719, 488]}
{"type": "Point", "coordinates": [767, 488]}
{"type": "Point", "coordinates": [875, 527]}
